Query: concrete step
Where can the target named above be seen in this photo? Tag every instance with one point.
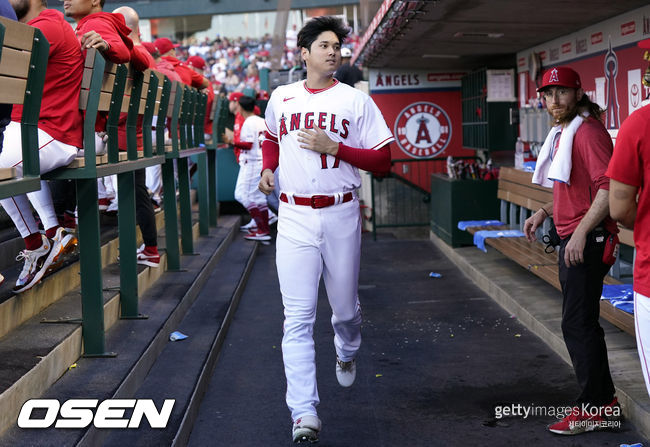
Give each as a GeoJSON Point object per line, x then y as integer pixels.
{"type": "Point", "coordinates": [36, 355]}
{"type": "Point", "coordinates": [190, 362]}
{"type": "Point", "coordinates": [16, 309]}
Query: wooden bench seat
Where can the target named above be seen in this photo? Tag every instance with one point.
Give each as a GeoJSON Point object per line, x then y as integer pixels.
{"type": "Point", "coordinates": [520, 198]}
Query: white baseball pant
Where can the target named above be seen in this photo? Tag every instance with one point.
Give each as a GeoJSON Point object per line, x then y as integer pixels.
{"type": "Point", "coordinates": [312, 242]}
{"type": "Point", "coordinates": [52, 154]}
{"type": "Point", "coordinates": [246, 189]}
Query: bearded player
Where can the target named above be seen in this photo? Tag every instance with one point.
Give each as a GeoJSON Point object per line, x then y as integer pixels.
{"type": "Point", "coordinates": [320, 132]}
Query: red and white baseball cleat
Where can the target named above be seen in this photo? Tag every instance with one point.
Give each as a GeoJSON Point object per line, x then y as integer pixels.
{"type": "Point", "coordinates": [249, 227]}
{"type": "Point", "coordinates": [305, 429]}
{"type": "Point", "coordinates": [258, 236]}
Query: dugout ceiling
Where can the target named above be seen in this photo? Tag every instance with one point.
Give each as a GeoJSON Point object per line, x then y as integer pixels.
{"type": "Point", "coordinates": [467, 34]}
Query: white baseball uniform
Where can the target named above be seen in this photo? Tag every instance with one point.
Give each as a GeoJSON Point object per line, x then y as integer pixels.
{"type": "Point", "coordinates": [250, 164]}
{"type": "Point", "coordinates": [315, 241]}
{"type": "Point", "coordinates": [52, 154]}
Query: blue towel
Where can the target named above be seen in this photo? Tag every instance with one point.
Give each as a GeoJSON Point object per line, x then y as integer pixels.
{"type": "Point", "coordinates": [529, 166]}
{"type": "Point", "coordinates": [625, 306]}
{"type": "Point", "coordinates": [464, 224]}
{"type": "Point", "coordinates": [480, 236]}
{"type": "Point", "coordinates": [620, 292]}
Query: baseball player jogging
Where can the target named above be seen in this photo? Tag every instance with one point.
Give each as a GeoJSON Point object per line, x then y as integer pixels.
{"type": "Point", "coordinates": [320, 131]}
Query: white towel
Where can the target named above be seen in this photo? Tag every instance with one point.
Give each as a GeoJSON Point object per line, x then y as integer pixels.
{"type": "Point", "coordinates": [558, 168]}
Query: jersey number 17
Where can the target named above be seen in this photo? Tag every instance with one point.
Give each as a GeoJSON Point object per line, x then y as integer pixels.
{"type": "Point", "coordinates": [323, 161]}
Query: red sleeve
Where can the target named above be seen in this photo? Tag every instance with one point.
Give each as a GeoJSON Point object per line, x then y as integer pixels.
{"type": "Point", "coordinates": [369, 160]}
{"type": "Point", "coordinates": [270, 153]}
{"type": "Point", "coordinates": [118, 52]}
{"type": "Point", "coordinates": [597, 148]}
{"type": "Point", "coordinates": [198, 81]}
{"type": "Point", "coordinates": [141, 59]}
{"type": "Point", "coordinates": [626, 165]}
{"type": "Point", "coordinates": [243, 145]}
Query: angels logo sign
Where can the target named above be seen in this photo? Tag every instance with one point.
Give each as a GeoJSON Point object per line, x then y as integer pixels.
{"type": "Point", "coordinates": [423, 130]}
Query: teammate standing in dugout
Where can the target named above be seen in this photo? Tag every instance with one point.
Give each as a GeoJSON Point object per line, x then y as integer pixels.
{"type": "Point", "coordinates": [320, 132]}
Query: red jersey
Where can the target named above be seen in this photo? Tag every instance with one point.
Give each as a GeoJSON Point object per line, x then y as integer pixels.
{"type": "Point", "coordinates": [60, 115]}
{"type": "Point", "coordinates": [113, 30]}
{"type": "Point", "coordinates": [188, 76]}
{"type": "Point", "coordinates": [166, 68]}
{"type": "Point", "coordinates": [592, 150]}
{"type": "Point", "coordinates": [630, 164]}
{"type": "Point", "coordinates": [208, 109]}
{"type": "Point", "coordinates": [239, 121]}
{"type": "Point", "coordinates": [141, 60]}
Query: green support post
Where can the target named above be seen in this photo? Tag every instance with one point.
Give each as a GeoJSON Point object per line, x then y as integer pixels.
{"type": "Point", "coordinates": [204, 194]}
{"type": "Point", "coordinates": [185, 206]}
{"type": "Point", "coordinates": [171, 218]}
{"type": "Point", "coordinates": [92, 298]}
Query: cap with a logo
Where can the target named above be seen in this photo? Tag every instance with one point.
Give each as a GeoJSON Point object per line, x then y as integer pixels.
{"type": "Point", "coordinates": [346, 52]}
{"type": "Point", "coordinates": [164, 45]}
{"type": "Point", "coordinates": [234, 96]}
{"type": "Point", "coordinates": [560, 77]}
{"type": "Point", "coordinates": [196, 62]}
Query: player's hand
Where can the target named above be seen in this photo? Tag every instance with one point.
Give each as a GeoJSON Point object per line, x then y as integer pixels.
{"type": "Point", "coordinates": [267, 182]}
{"type": "Point", "coordinates": [574, 250]}
{"type": "Point", "coordinates": [228, 136]}
{"type": "Point", "coordinates": [92, 39]}
{"type": "Point", "coordinates": [317, 140]}
{"type": "Point", "coordinates": [532, 223]}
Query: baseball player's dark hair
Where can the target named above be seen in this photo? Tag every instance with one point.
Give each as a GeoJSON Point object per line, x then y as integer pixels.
{"type": "Point", "coordinates": [44, 3]}
{"type": "Point", "coordinates": [101, 3]}
{"type": "Point", "coordinates": [312, 29]}
{"type": "Point", "coordinates": [247, 103]}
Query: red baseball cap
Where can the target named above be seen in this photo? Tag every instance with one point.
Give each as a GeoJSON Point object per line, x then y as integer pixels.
{"type": "Point", "coordinates": [150, 47]}
{"type": "Point", "coordinates": [645, 44]}
{"type": "Point", "coordinates": [196, 62]}
{"type": "Point", "coordinates": [561, 77]}
{"type": "Point", "coordinates": [164, 45]}
{"type": "Point", "coordinates": [234, 96]}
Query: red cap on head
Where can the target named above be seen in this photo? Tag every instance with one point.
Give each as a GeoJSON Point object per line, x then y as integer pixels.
{"type": "Point", "coordinates": [561, 77]}
{"type": "Point", "coordinates": [645, 44]}
{"type": "Point", "coordinates": [234, 96]}
{"type": "Point", "coordinates": [196, 62]}
{"type": "Point", "coordinates": [164, 45]}
{"type": "Point", "coordinates": [151, 48]}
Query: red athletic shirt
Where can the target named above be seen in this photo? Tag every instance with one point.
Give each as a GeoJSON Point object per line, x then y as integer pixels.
{"type": "Point", "coordinates": [113, 30]}
{"type": "Point", "coordinates": [60, 115]}
{"type": "Point", "coordinates": [592, 150]}
{"type": "Point", "coordinates": [166, 68]}
{"type": "Point", "coordinates": [630, 164]}
{"type": "Point", "coordinates": [239, 121]}
{"type": "Point", "coordinates": [207, 128]}
{"type": "Point", "coordinates": [141, 60]}
{"type": "Point", "coordinates": [189, 76]}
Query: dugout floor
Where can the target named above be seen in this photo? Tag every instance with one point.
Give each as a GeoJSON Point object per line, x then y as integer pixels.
{"type": "Point", "coordinates": [438, 356]}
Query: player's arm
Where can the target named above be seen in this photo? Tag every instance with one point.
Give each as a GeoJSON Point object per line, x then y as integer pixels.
{"type": "Point", "coordinates": [270, 162]}
{"type": "Point", "coordinates": [104, 38]}
{"type": "Point", "coordinates": [622, 202]}
{"type": "Point", "coordinates": [374, 160]}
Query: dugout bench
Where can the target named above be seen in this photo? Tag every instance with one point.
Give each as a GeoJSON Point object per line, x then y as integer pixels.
{"type": "Point", "coordinates": [519, 198]}
{"type": "Point", "coordinates": [23, 60]}
{"type": "Point", "coordinates": [115, 89]}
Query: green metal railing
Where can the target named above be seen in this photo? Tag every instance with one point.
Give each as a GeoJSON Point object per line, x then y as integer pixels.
{"type": "Point", "coordinates": [402, 198]}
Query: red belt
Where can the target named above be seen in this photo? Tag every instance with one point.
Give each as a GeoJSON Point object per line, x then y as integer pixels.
{"type": "Point", "coordinates": [318, 201]}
